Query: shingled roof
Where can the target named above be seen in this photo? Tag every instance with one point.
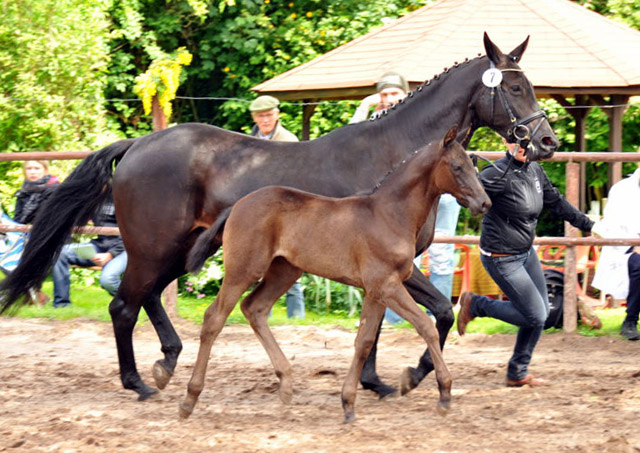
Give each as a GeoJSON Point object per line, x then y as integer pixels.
{"type": "Point", "coordinates": [572, 50]}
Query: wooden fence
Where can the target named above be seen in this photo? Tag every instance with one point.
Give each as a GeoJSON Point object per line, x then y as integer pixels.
{"type": "Point", "coordinates": [570, 240]}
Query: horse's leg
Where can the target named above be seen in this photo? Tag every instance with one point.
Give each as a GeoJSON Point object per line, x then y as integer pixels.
{"type": "Point", "coordinates": [369, 377]}
{"type": "Point", "coordinates": [423, 292]}
{"type": "Point", "coordinates": [370, 318]}
{"type": "Point", "coordinates": [214, 319]}
{"type": "Point", "coordinates": [171, 346]}
{"type": "Point", "coordinates": [278, 279]}
{"type": "Point", "coordinates": [124, 310]}
{"type": "Point", "coordinates": [398, 299]}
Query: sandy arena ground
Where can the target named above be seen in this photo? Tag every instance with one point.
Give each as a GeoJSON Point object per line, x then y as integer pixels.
{"type": "Point", "coordinates": [60, 392]}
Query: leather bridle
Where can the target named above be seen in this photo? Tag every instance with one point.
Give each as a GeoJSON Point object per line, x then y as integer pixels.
{"type": "Point", "coordinates": [518, 131]}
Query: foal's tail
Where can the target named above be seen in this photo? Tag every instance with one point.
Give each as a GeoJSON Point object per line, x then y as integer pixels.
{"type": "Point", "coordinates": [204, 245]}
{"type": "Point", "coordinates": [72, 203]}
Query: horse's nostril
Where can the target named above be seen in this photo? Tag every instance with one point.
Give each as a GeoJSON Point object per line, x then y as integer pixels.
{"type": "Point", "coordinates": [549, 142]}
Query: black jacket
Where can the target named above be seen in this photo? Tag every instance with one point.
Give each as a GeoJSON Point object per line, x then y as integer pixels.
{"type": "Point", "coordinates": [31, 196]}
{"type": "Point", "coordinates": [107, 218]}
{"type": "Point", "coordinates": [518, 198]}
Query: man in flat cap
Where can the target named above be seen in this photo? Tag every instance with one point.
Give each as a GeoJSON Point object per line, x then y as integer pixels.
{"type": "Point", "coordinates": [266, 115]}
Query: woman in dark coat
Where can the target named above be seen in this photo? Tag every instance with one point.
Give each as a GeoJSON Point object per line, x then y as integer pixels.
{"type": "Point", "coordinates": [37, 186]}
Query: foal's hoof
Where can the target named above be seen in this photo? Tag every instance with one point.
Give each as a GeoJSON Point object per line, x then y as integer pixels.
{"type": "Point", "coordinates": [408, 381]}
{"type": "Point", "coordinates": [161, 375]}
{"type": "Point", "coordinates": [442, 408]}
{"type": "Point", "coordinates": [184, 410]}
{"type": "Point", "coordinates": [349, 417]}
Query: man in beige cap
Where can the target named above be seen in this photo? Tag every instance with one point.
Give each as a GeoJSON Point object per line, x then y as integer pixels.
{"type": "Point", "coordinates": [390, 89]}
{"type": "Point", "coordinates": [266, 115]}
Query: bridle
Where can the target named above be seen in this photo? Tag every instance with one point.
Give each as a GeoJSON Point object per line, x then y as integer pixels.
{"type": "Point", "coordinates": [518, 131]}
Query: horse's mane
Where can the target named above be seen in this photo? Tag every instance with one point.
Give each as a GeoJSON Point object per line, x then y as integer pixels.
{"type": "Point", "coordinates": [427, 83]}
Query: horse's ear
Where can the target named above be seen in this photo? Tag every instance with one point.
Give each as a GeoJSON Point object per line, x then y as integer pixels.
{"type": "Point", "coordinates": [492, 50]}
{"type": "Point", "coordinates": [451, 136]}
{"type": "Point", "coordinates": [516, 54]}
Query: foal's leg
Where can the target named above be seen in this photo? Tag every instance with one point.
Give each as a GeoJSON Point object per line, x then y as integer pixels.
{"type": "Point", "coordinates": [398, 299]}
{"type": "Point", "coordinates": [370, 318]}
{"type": "Point", "coordinates": [214, 319]}
{"type": "Point", "coordinates": [278, 279]}
{"type": "Point", "coordinates": [424, 293]}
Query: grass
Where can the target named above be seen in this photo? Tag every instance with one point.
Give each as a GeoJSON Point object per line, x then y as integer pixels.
{"type": "Point", "coordinates": [92, 302]}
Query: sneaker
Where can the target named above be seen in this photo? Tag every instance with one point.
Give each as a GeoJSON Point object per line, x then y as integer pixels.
{"type": "Point", "coordinates": [464, 315]}
{"type": "Point", "coordinates": [629, 330]}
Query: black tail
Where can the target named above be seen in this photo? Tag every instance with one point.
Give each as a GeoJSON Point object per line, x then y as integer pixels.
{"type": "Point", "coordinates": [204, 245]}
{"type": "Point", "coordinates": [73, 203]}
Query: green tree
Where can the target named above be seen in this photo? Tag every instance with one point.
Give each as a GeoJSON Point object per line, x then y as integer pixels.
{"type": "Point", "coordinates": [53, 62]}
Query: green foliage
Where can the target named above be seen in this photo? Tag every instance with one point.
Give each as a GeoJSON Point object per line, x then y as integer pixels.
{"type": "Point", "coordinates": [237, 46]}
{"type": "Point", "coordinates": [53, 58]}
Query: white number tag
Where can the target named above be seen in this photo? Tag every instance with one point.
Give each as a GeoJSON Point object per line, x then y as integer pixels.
{"type": "Point", "coordinates": [492, 77]}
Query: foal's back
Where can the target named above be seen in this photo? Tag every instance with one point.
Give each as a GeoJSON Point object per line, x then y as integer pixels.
{"type": "Point", "coordinates": [336, 238]}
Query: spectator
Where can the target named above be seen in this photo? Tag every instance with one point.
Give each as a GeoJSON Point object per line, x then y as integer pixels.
{"type": "Point", "coordinates": [105, 251]}
{"type": "Point", "coordinates": [618, 271]}
{"type": "Point", "coordinates": [391, 89]}
{"type": "Point", "coordinates": [37, 186]}
{"type": "Point", "coordinates": [518, 197]}
{"type": "Point", "coordinates": [266, 115]}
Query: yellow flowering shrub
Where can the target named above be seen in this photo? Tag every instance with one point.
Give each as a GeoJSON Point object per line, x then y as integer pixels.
{"type": "Point", "coordinates": [162, 79]}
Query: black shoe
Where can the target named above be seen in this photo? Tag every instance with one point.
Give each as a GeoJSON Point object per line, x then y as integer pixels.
{"type": "Point", "coordinates": [629, 330]}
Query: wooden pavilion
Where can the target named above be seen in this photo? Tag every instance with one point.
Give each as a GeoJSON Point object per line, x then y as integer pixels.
{"type": "Point", "coordinates": [578, 57]}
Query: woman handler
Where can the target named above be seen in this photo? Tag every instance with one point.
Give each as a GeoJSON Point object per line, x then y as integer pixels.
{"type": "Point", "coordinates": [508, 229]}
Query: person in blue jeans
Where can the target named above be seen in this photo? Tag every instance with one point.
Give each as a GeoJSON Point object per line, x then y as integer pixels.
{"type": "Point", "coordinates": [519, 190]}
{"type": "Point", "coordinates": [105, 251]}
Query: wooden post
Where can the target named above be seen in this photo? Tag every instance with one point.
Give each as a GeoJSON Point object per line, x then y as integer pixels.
{"type": "Point", "coordinates": [615, 136]}
{"type": "Point", "coordinates": [570, 308]}
{"type": "Point", "coordinates": [307, 113]}
{"type": "Point", "coordinates": [170, 293]}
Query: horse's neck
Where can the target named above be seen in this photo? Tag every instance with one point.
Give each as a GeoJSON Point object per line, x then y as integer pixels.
{"type": "Point", "coordinates": [432, 109]}
{"type": "Point", "coordinates": [409, 192]}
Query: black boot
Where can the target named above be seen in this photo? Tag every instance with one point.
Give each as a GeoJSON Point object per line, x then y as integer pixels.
{"type": "Point", "coordinates": [629, 330]}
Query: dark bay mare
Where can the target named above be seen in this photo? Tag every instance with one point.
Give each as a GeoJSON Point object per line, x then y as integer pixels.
{"type": "Point", "coordinates": [276, 233]}
{"type": "Point", "coordinates": [172, 185]}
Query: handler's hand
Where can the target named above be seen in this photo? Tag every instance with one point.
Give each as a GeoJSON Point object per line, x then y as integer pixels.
{"type": "Point", "coordinates": [102, 258]}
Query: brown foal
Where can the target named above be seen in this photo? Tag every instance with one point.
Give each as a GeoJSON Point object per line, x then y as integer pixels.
{"type": "Point", "coordinates": [276, 233]}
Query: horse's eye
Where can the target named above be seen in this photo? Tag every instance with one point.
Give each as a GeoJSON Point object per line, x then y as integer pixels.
{"type": "Point", "coordinates": [516, 89]}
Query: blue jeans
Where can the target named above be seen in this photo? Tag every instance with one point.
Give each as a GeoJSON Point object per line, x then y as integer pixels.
{"type": "Point", "coordinates": [295, 302]}
{"type": "Point", "coordinates": [521, 278]}
{"type": "Point", "coordinates": [441, 256]}
{"type": "Point", "coordinates": [109, 277]}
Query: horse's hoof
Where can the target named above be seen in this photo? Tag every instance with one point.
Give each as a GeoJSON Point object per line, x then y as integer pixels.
{"type": "Point", "coordinates": [386, 391]}
{"type": "Point", "coordinates": [349, 417]}
{"type": "Point", "coordinates": [146, 393]}
{"type": "Point", "coordinates": [184, 410]}
{"type": "Point", "coordinates": [407, 380]}
{"type": "Point", "coordinates": [442, 408]}
{"type": "Point", "coordinates": [161, 375]}
{"type": "Point", "coordinates": [286, 396]}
